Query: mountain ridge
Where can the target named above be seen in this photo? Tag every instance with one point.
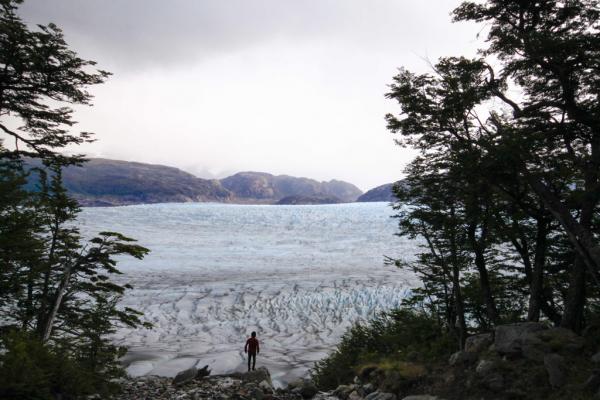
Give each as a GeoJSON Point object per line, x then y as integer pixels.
{"type": "Point", "coordinates": [107, 182]}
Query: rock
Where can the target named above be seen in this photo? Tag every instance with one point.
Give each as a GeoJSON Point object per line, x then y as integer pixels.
{"type": "Point", "coordinates": [493, 381]}
{"type": "Point", "coordinates": [515, 339]}
{"type": "Point", "coordinates": [265, 386]}
{"type": "Point", "coordinates": [368, 388]}
{"type": "Point", "coordinates": [355, 396]}
{"type": "Point", "coordinates": [204, 371]}
{"type": "Point", "coordinates": [381, 396]}
{"type": "Point", "coordinates": [421, 397]}
{"type": "Point", "coordinates": [462, 358]}
{"type": "Point", "coordinates": [343, 391]}
{"type": "Point", "coordinates": [485, 367]}
{"type": "Point", "coordinates": [304, 387]}
{"type": "Point", "coordinates": [478, 343]}
{"type": "Point", "coordinates": [555, 366]}
{"type": "Point", "coordinates": [257, 376]}
{"type": "Point", "coordinates": [596, 358]}
{"type": "Point", "coordinates": [185, 376]}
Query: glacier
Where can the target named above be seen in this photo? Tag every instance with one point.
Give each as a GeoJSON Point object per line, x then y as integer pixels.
{"type": "Point", "coordinates": [299, 276]}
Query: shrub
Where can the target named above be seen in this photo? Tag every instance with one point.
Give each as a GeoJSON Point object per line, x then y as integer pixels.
{"type": "Point", "coordinates": [30, 370]}
{"type": "Point", "coordinates": [390, 338]}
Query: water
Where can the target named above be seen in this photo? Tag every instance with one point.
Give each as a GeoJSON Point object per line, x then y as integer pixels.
{"type": "Point", "coordinates": [297, 275]}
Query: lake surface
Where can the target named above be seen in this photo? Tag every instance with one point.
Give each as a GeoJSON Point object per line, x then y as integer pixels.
{"type": "Point", "coordinates": [297, 275]}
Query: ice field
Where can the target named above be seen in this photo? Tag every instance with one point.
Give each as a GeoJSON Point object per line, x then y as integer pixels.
{"type": "Point", "coordinates": [297, 275]}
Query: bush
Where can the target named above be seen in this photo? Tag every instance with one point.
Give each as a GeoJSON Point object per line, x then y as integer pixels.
{"type": "Point", "coordinates": [30, 370]}
{"type": "Point", "coordinates": [390, 338]}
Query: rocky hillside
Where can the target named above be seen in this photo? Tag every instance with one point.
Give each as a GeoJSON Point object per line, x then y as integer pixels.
{"type": "Point", "coordinates": [379, 193]}
{"type": "Point", "coordinates": [102, 182]}
{"type": "Point", "coordinates": [260, 187]}
{"type": "Point", "coordinates": [522, 361]}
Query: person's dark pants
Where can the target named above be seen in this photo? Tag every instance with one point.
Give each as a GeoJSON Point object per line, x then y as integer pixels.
{"type": "Point", "coordinates": [251, 356]}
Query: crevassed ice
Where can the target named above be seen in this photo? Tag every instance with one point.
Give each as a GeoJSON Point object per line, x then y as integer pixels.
{"type": "Point", "coordinates": [298, 275]}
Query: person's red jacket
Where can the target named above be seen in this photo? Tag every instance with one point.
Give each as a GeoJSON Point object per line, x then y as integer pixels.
{"type": "Point", "coordinates": [252, 346]}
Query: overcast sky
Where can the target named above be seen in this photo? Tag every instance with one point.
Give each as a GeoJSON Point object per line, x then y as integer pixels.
{"type": "Point", "coordinates": [282, 86]}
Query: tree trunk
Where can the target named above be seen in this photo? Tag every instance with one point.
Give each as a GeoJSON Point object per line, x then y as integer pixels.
{"type": "Point", "coordinates": [584, 243]}
{"type": "Point", "coordinates": [537, 276]}
{"type": "Point", "coordinates": [484, 281]}
{"type": "Point", "coordinates": [58, 297]}
{"type": "Point", "coordinates": [458, 300]}
{"type": "Point", "coordinates": [575, 302]}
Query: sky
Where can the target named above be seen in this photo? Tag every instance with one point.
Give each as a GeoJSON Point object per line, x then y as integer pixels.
{"type": "Point", "coordinates": [292, 87]}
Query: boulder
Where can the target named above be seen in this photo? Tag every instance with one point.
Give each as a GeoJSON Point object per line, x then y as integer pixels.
{"type": "Point", "coordinates": [381, 396]}
{"type": "Point", "coordinates": [493, 381]}
{"type": "Point", "coordinates": [596, 358]}
{"type": "Point", "coordinates": [462, 358]}
{"type": "Point", "coordinates": [256, 394]}
{"type": "Point", "coordinates": [304, 387]}
{"type": "Point", "coordinates": [517, 339]}
{"type": "Point", "coordinates": [555, 366]}
{"type": "Point", "coordinates": [478, 343]}
{"type": "Point", "coordinates": [185, 376]}
{"type": "Point", "coordinates": [202, 372]}
{"type": "Point", "coordinates": [485, 367]}
{"type": "Point", "coordinates": [343, 391]}
{"type": "Point", "coordinates": [265, 386]}
{"type": "Point", "coordinates": [256, 376]}
{"type": "Point", "coordinates": [368, 388]}
{"type": "Point", "coordinates": [355, 396]}
{"type": "Point", "coordinates": [421, 397]}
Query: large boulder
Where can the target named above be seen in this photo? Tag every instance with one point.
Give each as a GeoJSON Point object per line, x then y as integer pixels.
{"type": "Point", "coordinates": [462, 358]}
{"type": "Point", "coordinates": [478, 343]}
{"type": "Point", "coordinates": [517, 339]}
{"type": "Point", "coordinates": [185, 376]}
{"type": "Point", "coordinates": [256, 376]}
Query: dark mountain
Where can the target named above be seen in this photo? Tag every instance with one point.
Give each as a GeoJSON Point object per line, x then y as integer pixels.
{"type": "Point", "coordinates": [380, 193]}
{"type": "Point", "coordinates": [260, 187]}
{"type": "Point", "coordinates": [102, 182]}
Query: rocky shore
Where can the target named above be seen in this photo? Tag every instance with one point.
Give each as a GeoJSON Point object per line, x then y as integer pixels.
{"type": "Point", "coordinates": [194, 384]}
{"type": "Point", "coordinates": [517, 361]}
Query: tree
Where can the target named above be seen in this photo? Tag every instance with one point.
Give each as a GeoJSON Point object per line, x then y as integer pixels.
{"type": "Point", "coordinates": [532, 163]}
{"type": "Point", "coordinates": [58, 302]}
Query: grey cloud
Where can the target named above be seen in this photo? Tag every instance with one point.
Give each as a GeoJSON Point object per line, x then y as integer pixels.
{"type": "Point", "coordinates": [130, 34]}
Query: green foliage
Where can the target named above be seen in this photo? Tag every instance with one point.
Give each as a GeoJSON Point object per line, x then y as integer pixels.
{"type": "Point", "coordinates": [31, 370]}
{"type": "Point", "coordinates": [58, 299]}
{"type": "Point", "coordinates": [385, 342]}
{"type": "Point", "coordinates": [505, 192]}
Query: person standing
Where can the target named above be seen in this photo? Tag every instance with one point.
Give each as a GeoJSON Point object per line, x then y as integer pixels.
{"type": "Point", "coordinates": [252, 349]}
